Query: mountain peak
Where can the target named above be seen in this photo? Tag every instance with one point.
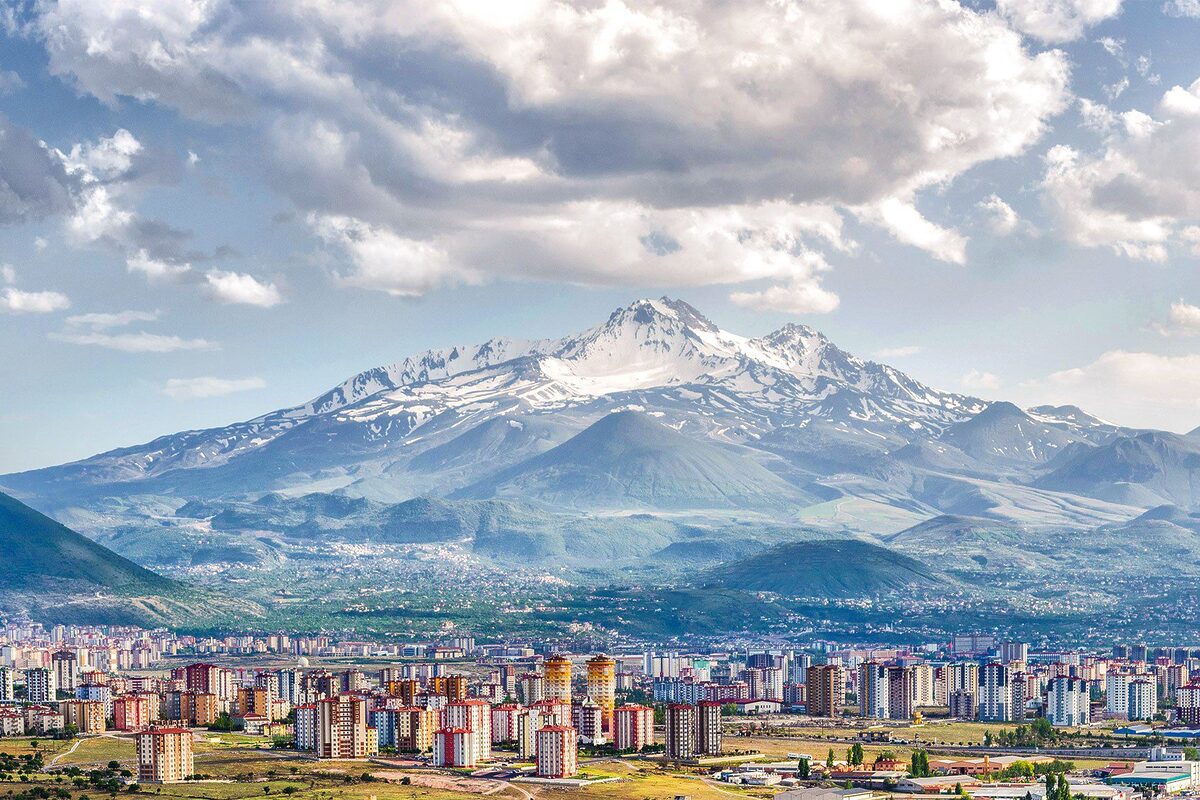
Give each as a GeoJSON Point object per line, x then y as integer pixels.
{"type": "Point", "coordinates": [647, 311]}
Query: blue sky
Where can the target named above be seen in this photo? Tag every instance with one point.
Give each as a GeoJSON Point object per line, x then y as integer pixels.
{"type": "Point", "coordinates": [209, 210]}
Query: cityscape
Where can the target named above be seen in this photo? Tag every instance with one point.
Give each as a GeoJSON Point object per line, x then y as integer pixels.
{"type": "Point", "coordinates": [600, 399]}
{"type": "Point", "coordinates": [974, 716]}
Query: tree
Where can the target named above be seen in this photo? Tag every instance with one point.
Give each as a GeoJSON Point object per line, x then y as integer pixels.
{"type": "Point", "coordinates": [829, 759]}
{"type": "Point", "coordinates": [857, 756]}
{"type": "Point", "coordinates": [802, 769]}
{"type": "Point", "coordinates": [919, 764]}
{"type": "Point", "coordinates": [1191, 754]}
{"type": "Point", "coordinates": [987, 738]}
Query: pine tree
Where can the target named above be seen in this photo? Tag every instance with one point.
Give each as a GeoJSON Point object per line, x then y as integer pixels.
{"type": "Point", "coordinates": [829, 759]}
{"type": "Point", "coordinates": [802, 770]}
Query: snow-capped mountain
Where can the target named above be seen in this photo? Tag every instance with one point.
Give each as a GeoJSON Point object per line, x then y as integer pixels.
{"type": "Point", "coordinates": [823, 422]}
{"type": "Point", "coordinates": [651, 352]}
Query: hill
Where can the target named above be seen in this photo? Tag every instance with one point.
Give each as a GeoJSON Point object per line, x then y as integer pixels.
{"type": "Point", "coordinates": [832, 568]}
{"type": "Point", "coordinates": [40, 554]}
{"type": "Point", "coordinates": [628, 459]}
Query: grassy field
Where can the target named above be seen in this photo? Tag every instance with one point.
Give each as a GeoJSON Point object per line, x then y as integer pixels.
{"type": "Point", "coordinates": [241, 768]}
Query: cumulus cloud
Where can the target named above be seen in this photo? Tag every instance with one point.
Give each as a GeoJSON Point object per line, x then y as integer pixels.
{"type": "Point", "coordinates": [980, 381]}
{"type": "Point", "coordinates": [1140, 192]}
{"type": "Point", "coordinates": [190, 388]}
{"type": "Point", "coordinates": [1182, 320]}
{"type": "Point", "coordinates": [19, 301]}
{"type": "Point", "coordinates": [34, 183]}
{"type": "Point", "coordinates": [154, 268]}
{"type": "Point", "coordinates": [490, 129]}
{"type": "Point", "coordinates": [1000, 215]}
{"type": "Point", "coordinates": [1057, 21]}
{"type": "Point", "coordinates": [1141, 389]}
{"type": "Point", "coordinates": [237, 287]}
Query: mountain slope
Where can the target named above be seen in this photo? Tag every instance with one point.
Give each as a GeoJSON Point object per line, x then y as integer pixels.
{"type": "Point", "coordinates": [628, 459]}
{"type": "Point", "coordinates": [39, 553]}
{"type": "Point", "coordinates": [1004, 434]}
{"type": "Point", "coordinates": [834, 568]}
{"type": "Point", "coordinates": [1147, 469]}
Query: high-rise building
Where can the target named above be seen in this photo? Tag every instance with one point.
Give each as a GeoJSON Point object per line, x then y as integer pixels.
{"type": "Point", "coordinates": [455, 747]}
{"type": "Point", "coordinates": [633, 727]}
{"type": "Point", "coordinates": [86, 716]}
{"type": "Point", "coordinates": [1143, 699]}
{"type": "Point", "coordinates": [342, 728]}
{"type": "Point", "coordinates": [1116, 693]}
{"type": "Point", "coordinates": [8, 691]}
{"type": "Point", "coordinates": [708, 728]}
{"type": "Point", "coordinates": [587, 718]}
{"type": "Point", "coordinates": [901, 692]}
{"type": "Point", "coordinates": [826, 690]}
{"type": "Point", "coordinates": [531, 687]}
{"type": "Point", "coordinates": [306, 727]}
{"type": "Point", "coordinates": [680, 738]}
{"type": "Point", "coordinates": [41, 686]}
{"type": "Point", "coordinates": [602, 686]}
{"type": "Point", "coordinates": [962, 704]}
{"type": "Point", "coordinates": [995, 702]}
{"type": "Point", "coordinates": [506, 722]}
{"type": "Point", "coordinates": [1068, 702]}
{"type": "Point", "coordinates": [98, 692]}
{"type": "Point", "coordinates": [962, 676]}
{"type": "Point", "coordinates": [1187, 703]}
{"type": "Point", "coordinates": [287, 686]}
{"type": "Point", "coordinates": [66, 670]}
{"type": "Point", "coordinates": [474, 715]}
{"type": "Point", "coordinates": [1013, 651]}
{"type": "Point", "coordinates": [131, 712]}
{"type": "Point", "coordinates": [164, 755]}
{"type": "Point", "coordinates": [558, 677]}
{"type": "Point", "coordinates": [557, 751]}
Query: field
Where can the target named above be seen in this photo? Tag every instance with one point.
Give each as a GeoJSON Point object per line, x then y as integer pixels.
{"type": "Point", "coordinates": [238, 767]}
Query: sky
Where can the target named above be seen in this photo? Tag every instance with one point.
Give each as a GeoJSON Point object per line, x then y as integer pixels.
{"type": "Point", "coordinates": [211, 209]}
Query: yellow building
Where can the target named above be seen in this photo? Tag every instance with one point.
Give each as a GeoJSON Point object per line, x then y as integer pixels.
{"type": "Point", "coordinates": [558, 677]}
{"type": "Point", "coordinates": [602, 686]}
{"type": "Point", "coordinates": [164, 755]}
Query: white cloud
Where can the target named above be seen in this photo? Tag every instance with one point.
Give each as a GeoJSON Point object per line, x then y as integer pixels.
{"type": "Point", "coordinates": [906, 223]}
{"type": "Point", "coordinates": [7, 273]}
{"type": "Point", "coordinates": [509, 123]}
{"type": "Point", "coordinates": [1055, 21]}
{"type": "Point", "coordinates": [236, 287]}
{"type": "Point", "coordinates": [980, 381]}
{"type": "Point", "coordinates": [1000, 215]}
{"type": "Point", "coordinates": [1139, 389]}
{"type": "Point", "coordinates": [154, 268]}
{"type": "Point", "coordinates": [1182, 320]}
{"type": "Point", "coordinates": [139, 342]}
{"type": "Point", "coordinates": [1182, 8]}
{"type": "Point", "coordinates": [799, 298]}
{"type": "Point", "coordinates": [40, 244]}
{"type": "Point", "coordinates": [33, 302]}
{"type": "Point", "coordinates": [1140, 191]}
{"type": "Point", "coordinates": [189, 388]}
{"type": "Point", "coordinates": [899, 352]}
{"type": "Point", "coordinates": [10, 82]}
{"type": "Point", "coordinates": [107, 320]}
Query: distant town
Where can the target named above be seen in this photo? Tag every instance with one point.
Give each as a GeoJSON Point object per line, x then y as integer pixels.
{"type": "Point", "coordinates": [973, 716]}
